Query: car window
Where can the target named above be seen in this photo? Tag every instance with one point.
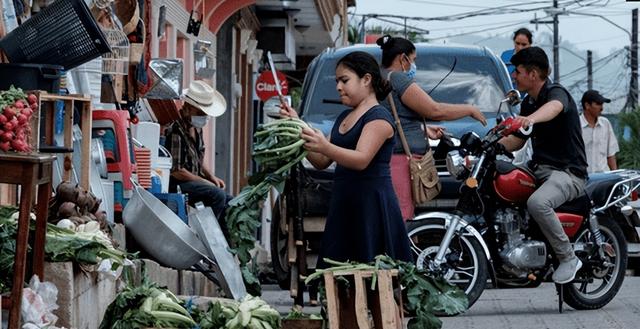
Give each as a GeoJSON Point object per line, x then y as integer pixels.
{"type": "Point", "coordinates": [474, 80]}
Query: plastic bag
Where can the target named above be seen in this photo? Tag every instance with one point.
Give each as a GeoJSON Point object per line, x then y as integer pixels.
{"type": "Point", "coordinates": [38, 302]}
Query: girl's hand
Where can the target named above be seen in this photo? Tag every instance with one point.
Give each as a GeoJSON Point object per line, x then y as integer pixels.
{"type": "Point", "coordinates": [435, 132]}
{"type": "Point", "coordinates": [286, 110]}
{"type": "Point", "coordinates": [315, 140]}
{"type": "Point", "coordinates": [476, 114]}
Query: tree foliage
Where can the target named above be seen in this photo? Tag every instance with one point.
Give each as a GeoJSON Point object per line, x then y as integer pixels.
{"type": "Point", "coordinates": [629, 140]}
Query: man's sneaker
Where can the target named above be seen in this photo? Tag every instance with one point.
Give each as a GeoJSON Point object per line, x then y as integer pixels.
{"type": "Point", "coordinates": [566, 271]}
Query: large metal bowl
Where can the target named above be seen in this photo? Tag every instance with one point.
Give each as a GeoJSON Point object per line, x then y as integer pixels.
{"type": "Point", "coordinates": [160, 232]}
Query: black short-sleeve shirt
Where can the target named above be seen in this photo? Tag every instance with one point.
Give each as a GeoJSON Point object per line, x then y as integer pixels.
{"type": "Point", "coordinates": [557, 142]}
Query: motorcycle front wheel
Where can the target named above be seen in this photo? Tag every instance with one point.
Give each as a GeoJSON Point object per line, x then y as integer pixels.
{"type": "Point", "coordinates": [599, 280]}
{"type": "Point", "coordinates": [466, 261]}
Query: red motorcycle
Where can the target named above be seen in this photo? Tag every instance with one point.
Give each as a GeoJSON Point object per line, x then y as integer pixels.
{"type": "Point", "coordinates": [490, 235]}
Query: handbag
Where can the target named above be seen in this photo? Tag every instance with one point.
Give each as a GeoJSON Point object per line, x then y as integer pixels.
{"type": "Point", "coordinates": [425, 183]}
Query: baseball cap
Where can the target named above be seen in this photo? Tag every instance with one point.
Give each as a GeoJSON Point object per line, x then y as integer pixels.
{"type": "Point", "coordinates": [593, 96]}
{"type": "Point", "coordinates": [531, 56]}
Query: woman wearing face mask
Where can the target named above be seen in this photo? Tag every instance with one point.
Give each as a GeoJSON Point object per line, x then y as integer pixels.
{"type": "Point", "coordinates": [413, 105]}
{"type": "Point", "coordinates": [185, 143]}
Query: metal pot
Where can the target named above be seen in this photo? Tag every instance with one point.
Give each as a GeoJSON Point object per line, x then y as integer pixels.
{"type": "Point", "coordinates": [160, 232]}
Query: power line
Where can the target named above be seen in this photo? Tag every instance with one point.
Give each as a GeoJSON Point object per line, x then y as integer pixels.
{"type": "Point", "coordinates": [607, 58]}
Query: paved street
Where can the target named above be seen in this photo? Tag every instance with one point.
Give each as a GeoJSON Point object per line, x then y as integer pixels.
{"type": "Point", "coordinates": [538, 308]}
{"type": "Point", "coordinates": [526, 308]}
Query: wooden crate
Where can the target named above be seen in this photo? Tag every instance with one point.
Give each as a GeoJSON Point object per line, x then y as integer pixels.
{"type": "Point", "coordinates": [301, 324]}
{"type": "Point", "coordinates": [349, 307]}
{"type": "Point", "coordinates": [47, 105]}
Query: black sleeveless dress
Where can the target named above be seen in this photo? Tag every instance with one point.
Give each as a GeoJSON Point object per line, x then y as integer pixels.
{"type": "Point", "coordinates": [364, 217]}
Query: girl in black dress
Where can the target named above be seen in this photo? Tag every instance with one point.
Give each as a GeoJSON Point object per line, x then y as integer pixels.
{"type": "Point", "coordinates": [364, 217]}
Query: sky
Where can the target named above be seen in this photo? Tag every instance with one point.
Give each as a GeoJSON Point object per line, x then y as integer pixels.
{"type": "Point", "coordinates": [446, 22]}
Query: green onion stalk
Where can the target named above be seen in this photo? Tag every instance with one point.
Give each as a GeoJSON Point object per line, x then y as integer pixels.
{"type": "Point", "coordinates": [277, 148]}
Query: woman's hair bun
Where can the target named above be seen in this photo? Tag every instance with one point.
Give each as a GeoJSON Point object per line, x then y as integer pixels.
{"type": "Point", "coordinates": [384, 41]}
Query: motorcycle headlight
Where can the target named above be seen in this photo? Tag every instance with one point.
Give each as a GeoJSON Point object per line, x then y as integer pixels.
{"type": "Point", "coordinates": [455, 164]}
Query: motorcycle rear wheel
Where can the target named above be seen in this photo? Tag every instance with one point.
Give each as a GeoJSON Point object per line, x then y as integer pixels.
{"type": "Point", "coordinates": [469, 271]}
{"type": "Point", "coordinates": [596, 286]}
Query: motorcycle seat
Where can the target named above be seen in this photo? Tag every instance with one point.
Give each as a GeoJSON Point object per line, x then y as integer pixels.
{"type": "Point", "coordinates": [579, 206]}
{"type": "Point", "coordinates": [599, 186]}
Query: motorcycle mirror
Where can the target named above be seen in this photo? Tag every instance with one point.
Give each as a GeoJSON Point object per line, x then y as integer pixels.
{"type": "Point", "coordinates": [512, 97]}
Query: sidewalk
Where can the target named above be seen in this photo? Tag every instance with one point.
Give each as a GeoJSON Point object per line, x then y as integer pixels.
{"type": "Point", "coordinates": [538, 309]}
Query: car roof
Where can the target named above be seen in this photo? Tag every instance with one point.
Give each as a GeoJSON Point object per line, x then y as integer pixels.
{"type": "Point", "coordinates": [421, 48]}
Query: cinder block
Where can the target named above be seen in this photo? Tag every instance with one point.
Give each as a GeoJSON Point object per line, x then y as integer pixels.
{"type": "Point", "coordinates": [164, 276]}
{"type": "Point", "coordinates": [61, 275]}
{"type": "Point", "coordinates": [119, 236]}
{"type": "Point", "coordinates": [82, 297]}
{"type": "Point", "coordinates": [187, 283]}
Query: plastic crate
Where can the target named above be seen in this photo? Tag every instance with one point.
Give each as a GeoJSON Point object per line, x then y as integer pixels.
{"type": "Point", "coordinates": [31, 77]}
{"type": "Point", "coordinates": [64, 33]}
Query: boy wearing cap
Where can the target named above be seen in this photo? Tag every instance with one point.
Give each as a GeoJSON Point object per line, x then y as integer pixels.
{"type": "Point", "coordinates": [599, 140]}
{"type": "Point", "coordinates": [561, 167]}
{"type": "Point", "coordinates": [184, 141]}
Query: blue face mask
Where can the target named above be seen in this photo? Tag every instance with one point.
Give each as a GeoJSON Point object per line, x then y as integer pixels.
{"type": "Point", "coordinates": [199, 121]}
{"type": "Point", "coordinates": [412, 69]}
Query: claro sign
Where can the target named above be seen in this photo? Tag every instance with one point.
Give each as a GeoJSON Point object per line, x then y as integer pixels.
{"type": "Point", "coordinates": [266, 86]}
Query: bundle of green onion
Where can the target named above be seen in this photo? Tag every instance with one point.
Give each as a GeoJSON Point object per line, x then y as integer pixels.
{"type": "Point", "coordinates": [277, 148]}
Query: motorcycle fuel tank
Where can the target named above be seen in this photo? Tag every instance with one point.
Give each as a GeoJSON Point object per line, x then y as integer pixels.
{"type": "Point", "coordinates": [515, 186]}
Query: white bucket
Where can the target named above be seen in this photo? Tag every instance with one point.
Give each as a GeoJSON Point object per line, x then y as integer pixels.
{"type": "Point", "coordinates": [163, 168]}
{"type": "Point", "coordinates": [148, 134]}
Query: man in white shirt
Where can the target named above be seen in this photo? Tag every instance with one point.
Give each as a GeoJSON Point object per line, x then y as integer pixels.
{"type": "Point", "coordinates": [600, 142]}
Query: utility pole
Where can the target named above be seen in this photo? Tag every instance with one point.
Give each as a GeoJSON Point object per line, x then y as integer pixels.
{"type": "Point", "coordinates": [633, 85]}
{"type": "Point", "coordinates": [405, 28]}
{"type": "Point", "coordinates": [363, 32]}
{"type": "Point", "coordinates": [556, 48]}
{"type": "Point", "coordinates": [589, 70]}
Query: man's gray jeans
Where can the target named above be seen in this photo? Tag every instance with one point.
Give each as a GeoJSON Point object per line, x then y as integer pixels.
{"type": "Point", "coordinates": [558, 188]}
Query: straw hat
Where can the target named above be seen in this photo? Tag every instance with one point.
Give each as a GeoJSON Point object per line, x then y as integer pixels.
{"type": "Point", "coordinates": [207, 99]}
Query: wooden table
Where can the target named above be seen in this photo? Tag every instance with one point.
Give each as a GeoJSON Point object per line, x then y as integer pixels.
{"type": "Point", "coordinates": [31, 171]}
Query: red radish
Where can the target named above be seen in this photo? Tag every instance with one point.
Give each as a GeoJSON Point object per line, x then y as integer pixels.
{"type": "Point", "coordinates": [9, 112]}
{"type": "Point", "coordinates": [32, 99]}
{"type": "Point", "coordinates": [27, 111]}
{"type": "Point", "coordinates": [6, 136]}
{"type": "Point", "coordinates": [9, 126]}
{"type": "Point", "coordinates": [34, 106]}
{"type": "Point", "coordinates": [4, 146]}
{"type": "Point", "coordinates": [22, 119]}
{"type": "Point", "coordinates": [19, 104]}
{"type": "Point", "coordinates": [3, 119]}
{"type": "Point", "coordinates": [18, 145]}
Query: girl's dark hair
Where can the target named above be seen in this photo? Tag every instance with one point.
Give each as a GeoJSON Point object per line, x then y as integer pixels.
{"type": "Point", "coordinates": [392, 47]}
{"type": "Point", "coordinates": [362, 63]}
{"type": "Point", "coordinates": [524, 31]}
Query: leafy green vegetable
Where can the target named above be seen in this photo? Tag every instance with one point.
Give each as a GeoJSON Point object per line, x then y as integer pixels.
{"type": "Point", "coordinates": [277, 148]}
{"type": "Point", "coordinates": [146, 305]}
{"type": "Point", "coordinates": [61, 245]}
{"type": "Point", "coordinates": [297, 313]}
{"type": "Point", "coordinates": [8, 233]}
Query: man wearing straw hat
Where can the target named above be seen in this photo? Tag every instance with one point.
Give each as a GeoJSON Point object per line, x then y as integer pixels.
{"type": "Point", "coordinates": [184, 141]}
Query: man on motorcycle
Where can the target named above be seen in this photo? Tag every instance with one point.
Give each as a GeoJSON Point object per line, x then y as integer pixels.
{"type": "Point", "coordinates": [559, 161]}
